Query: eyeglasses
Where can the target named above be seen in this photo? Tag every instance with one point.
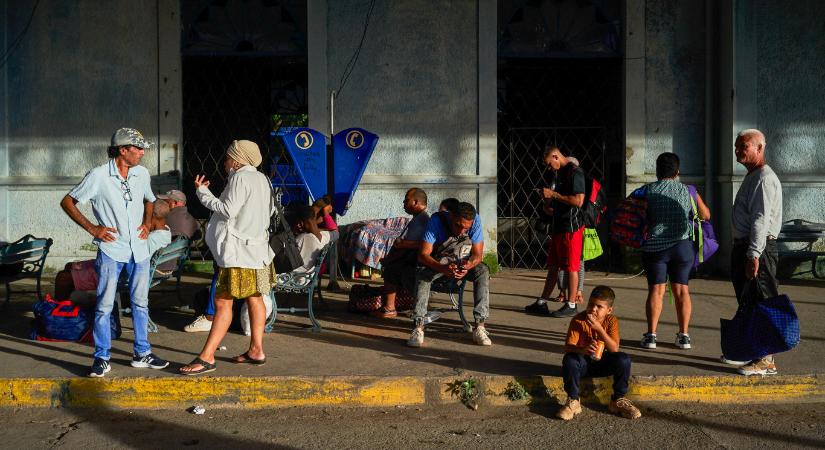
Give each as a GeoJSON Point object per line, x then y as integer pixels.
{"type": "Point", "coordinates": [127, 193]}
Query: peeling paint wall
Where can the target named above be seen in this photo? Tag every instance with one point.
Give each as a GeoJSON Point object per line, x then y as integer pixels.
{"type": "Point", "coordinates": [416, 85]}
{"type": "Point", "coordinates": [675, 83]}
{"type": "Point", "coordinates": [791, 95]}
{"type": "Point", "coordinates": [82, 70]}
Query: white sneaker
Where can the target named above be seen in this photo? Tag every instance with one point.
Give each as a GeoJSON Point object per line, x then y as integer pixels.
{"type": "Point", "coordinates": [732, 362]}
{"type": "Point", "coordinates": [416, 338]}
{"type": "Point", "coordinates": [481, 337]}
{"type": "Point", "coordinates": [199, 324]}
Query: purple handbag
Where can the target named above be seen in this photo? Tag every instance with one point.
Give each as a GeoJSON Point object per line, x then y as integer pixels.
{"type": "Point", "coordinates": [704, 236]}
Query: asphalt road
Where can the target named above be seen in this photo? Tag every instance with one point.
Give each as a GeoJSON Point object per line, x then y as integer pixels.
{"type": "Point", "coordinates": [453, 426]}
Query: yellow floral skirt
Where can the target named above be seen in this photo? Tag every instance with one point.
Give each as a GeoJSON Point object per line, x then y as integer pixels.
{"type": "Point", "coordinates": [242, 283]}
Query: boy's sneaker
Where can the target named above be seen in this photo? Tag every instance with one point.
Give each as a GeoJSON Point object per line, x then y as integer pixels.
{"type": "Point", "coordinates": [731, 361]}
{"type": "Point", "coordinates": [683, 340]}
{"type": "Point", "coordinates": [624, 408]}
{"type": "Point", "coordinates": [648, 340]}
{"type": "Point", "coordinates": [538, 308]}
{"type": "Point", "coordinates": [199, 324]}
{"type": "Point", "coordinates": [416, 338]}
{"type": "Point", "coordinates": [565, 311]}
{"type": "Point", "coordinates": [570, 410]}
{"type": "Point", "coordinates": [149, 361]}
{"type": "Point", "coordinates": [481, 337]}
{"type": "Point", "coordinates": [764, 366]}
{"type": "Point", "coordinates": [99, 368]}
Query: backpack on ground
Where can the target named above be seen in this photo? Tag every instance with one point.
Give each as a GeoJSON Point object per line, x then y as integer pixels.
{"type": "Point", "coordinates": [66, 321]}
{"type": "Point", "coordinates": [629, 224]}
{"type": "Point", "coordinates": [364, 298]}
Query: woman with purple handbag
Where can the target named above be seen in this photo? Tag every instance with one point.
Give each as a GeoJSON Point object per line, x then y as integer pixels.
{"type": "Point", "coordinates": [668, 252]}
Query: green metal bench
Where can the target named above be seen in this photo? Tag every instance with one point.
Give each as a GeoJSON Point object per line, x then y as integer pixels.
{"type": "Point", "coordinates": [300, 283]}
{"type": "Point", "coordinates": [803, 232]}
{"type": "Point", "coordinates": [24, 259]}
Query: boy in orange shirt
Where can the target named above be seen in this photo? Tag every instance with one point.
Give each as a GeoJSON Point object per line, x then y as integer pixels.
{"type": "Point", "coordinates": [587, 329]}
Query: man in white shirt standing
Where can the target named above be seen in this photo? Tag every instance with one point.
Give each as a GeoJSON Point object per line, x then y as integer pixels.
{"type": "Point", "coordinates": [757, 220]}
{"type": "Point", "coordinates": [121, 197]}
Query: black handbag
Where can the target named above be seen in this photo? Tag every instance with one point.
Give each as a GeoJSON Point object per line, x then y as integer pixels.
{"type": "Point", "coordinates": [283, 243]}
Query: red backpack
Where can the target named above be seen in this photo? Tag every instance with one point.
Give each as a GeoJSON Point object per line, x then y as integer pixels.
{"type": "Point", "coordinates": [629, 224]}
{"type": "Point", "coordinates": [595, 202]}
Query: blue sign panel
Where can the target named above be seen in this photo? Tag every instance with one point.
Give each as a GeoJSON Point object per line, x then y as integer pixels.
{"type": "Point", "coordinates": [352, 149]}
{"type": "Point", "coordinates": [308, 150]}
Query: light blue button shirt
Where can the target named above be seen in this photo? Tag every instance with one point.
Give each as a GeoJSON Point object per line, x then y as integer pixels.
{"type": "Point", "coordinates": [107, 191]}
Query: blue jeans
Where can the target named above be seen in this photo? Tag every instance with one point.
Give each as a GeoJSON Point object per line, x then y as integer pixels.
{"type": "Point", "coordinates": [108, 272]}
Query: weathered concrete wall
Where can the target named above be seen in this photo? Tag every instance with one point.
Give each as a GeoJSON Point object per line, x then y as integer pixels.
{"type": "Point", "coordinates": [82, 70]}
{"type": "Point", "coordinates": [416, 84]}
{"type": "Point", "coordinates": [790, 44]}
{"type": "Point", "coordinates": [675, 84]}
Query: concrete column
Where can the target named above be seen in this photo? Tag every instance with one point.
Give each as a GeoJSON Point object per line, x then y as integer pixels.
{"type": "Point", "coordinates": [318, 90]}
{"type": "Point", "coordinates": [488, 120]}
{"type": "Point", "coordinates": [170, 89]}
{"type": "Point", "coordinates": [634, 98]}
{"type": "Point", "coordinates": [7, 37]}
{"type": "Point", "coordinates": [737, 109]}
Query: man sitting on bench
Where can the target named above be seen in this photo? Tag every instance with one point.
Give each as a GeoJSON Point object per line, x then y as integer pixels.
{"type": "Point", "coordinates": [399, 264]}
{"type": "Point", "coordinates": [452, 247]}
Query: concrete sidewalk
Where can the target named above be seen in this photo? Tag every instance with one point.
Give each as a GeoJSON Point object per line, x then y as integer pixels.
{"type": "Point", "coordinates": [358, 359]}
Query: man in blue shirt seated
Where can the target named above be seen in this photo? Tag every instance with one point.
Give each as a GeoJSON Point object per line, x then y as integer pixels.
{"type": "Point", "coordinates": [452, 246]}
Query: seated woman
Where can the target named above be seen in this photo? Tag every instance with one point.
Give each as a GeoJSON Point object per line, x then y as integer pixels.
{"type": "Point", "coordinates": [323, 209]}
{"type": "Point", "coordinates": [81, 276]}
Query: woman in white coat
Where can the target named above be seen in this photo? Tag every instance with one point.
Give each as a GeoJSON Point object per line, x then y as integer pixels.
{"type": "Point", "coordinates": [237, 236]}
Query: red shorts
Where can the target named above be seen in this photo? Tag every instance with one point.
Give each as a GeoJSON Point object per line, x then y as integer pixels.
{"type": "Point", "coordinates": [565, 251]}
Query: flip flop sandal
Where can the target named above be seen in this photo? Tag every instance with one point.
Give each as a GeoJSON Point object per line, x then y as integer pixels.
{"type": "Point", "coordinates": [205, 367]}
{"type": "Point", "coordinates": [248, 360]}
{"type": "Point", "coordinates": [384, 312]}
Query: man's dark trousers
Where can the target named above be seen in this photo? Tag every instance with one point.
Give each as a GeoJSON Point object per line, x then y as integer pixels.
{"type": "Point", "coordinates": [766, 275]}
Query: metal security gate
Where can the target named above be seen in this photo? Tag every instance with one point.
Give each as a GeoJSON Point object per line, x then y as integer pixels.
{"type": "Point", "coordinates": [521, 172]}
{"type": "Point", "coordinates": [574, 104]}
{"type": "Point", "coordinates": [244, 75]}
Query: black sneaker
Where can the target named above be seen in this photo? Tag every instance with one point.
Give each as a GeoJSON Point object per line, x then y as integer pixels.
{"type": "Point", "coordinates": [648, 341]}
{"type": "Point", "coordinates": [149, 361]}
{"type": "Point", "coordinates": [538, 308]}
{"type": "Point", "coordinates": [99, 368]}
{"type": "Point", "coordinates": [565, 311]}
{"type": "Point", "coordinates": [683, 341]}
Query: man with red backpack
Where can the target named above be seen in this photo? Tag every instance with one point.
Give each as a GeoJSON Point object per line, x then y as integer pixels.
{"type": "Point", "coordinates": [565, 249]}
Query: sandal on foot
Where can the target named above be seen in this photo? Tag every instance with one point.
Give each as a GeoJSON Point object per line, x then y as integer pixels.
{"type": "Point", "coordinates": [205, 367]}
{"type": "Point", "coordinates": [384, 312]}
{"type": "Point", "coordinates": [248, 360]}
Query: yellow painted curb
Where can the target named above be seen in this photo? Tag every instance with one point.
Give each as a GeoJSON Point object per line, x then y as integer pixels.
{"type": "Point", "coordinates": [702, 389]}
{"type": "Point", "coordinates": [270, 392]}
{"type": "Point", "coordinates": [144, 393]}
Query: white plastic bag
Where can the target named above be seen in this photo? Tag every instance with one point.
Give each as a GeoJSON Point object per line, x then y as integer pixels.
{"type": "Point", "coordinates": [247, 329]}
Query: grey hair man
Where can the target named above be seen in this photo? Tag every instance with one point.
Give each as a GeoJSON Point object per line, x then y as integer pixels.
{"type": "Point", "coordinates": [757, 220]}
